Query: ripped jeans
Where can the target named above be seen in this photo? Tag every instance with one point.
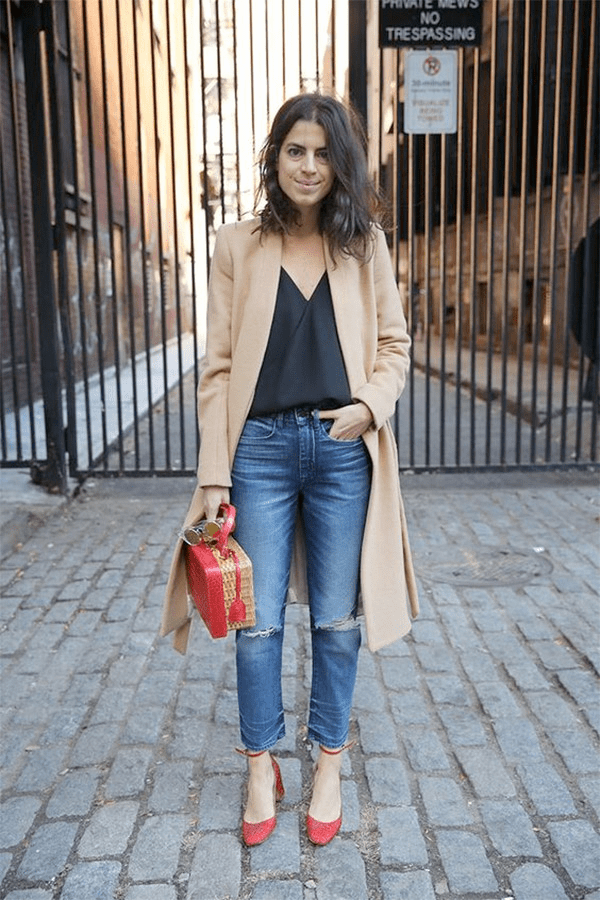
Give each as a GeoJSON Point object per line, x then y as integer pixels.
{"type": "Point", "coordinates": [287, 463]}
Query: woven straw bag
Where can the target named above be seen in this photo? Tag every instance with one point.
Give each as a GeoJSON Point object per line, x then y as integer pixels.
{"type": "Point", "coordinates": [219, 575]}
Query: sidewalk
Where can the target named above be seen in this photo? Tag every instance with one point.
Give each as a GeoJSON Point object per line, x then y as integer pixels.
{"type": "Point", "coordinates": [475, 774]}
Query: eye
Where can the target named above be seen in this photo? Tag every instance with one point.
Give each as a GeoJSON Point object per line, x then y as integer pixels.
{"type": "Point", "coordinates": [294, 152]}
{"type": "Point", "coordinates": [323, 155]}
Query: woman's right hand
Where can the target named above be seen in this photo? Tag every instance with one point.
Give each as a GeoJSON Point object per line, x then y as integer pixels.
{"type": "Point", "coordinates": [212, 497]}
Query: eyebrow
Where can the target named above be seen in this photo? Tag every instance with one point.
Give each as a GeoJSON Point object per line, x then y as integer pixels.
{"type": "Point", "coordinates": [302, 146]}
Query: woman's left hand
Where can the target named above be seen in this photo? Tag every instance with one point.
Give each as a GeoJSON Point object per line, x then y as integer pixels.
{"type": "Point", "coordinates": [349, 422]}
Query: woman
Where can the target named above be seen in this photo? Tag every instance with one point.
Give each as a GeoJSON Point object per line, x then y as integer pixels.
{"type": "Point", "coordinates": [306, 356]}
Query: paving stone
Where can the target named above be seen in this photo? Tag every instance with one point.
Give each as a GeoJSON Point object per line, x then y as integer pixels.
{"type": "Point", "coordinates": [425, 750]}
{"type": "Point", "coordinates": [108, 831]}
{"type": "Point", "coordinates": [447, 689]}
{"type": "Point", "coordinates": [518, 740]}
{"type": "Point", "coordinates": [465, 863]}
{"type": "Point", "coordinates": [578, 752]}
{"type": "Point", "coordinates": [399, 673]}
{"type": "Point", "coordinates": [444, 802]}
{"type": "Point", "coordinates": [216, 869]}
{"type": "Point", "coordinates": [546, 789]}
{"type": "Point", "coordinates": [509, 828]}
{"type": "Point", "coordinates": [5, 864]}
{"type": "Point", "coordinates": [590, 785]}
{"type": "Point", "coordinates": [97, 880]}
{"type": "Point", "coordinates": [582, 686]}
{"type": "Point", "coordinates": [73, 794]}
{"type": "Point", "coordinates": [435, 658]}
{"type": "Point", "coordinates": [463, 727]}
{"type": "Point", "coordinates": [151, 892]}
{"type": "Point", "coordinates": [16, 818]}
{"type": "Point", "coordinates": [155, 854]}
{"type": "Point", "coordinates": [31, 894]}
{"type": "Point", "coordinates": [377, 733]}
{"type": "Point", "coordinates": [368, 695]}
{"type": "Point", "coordinates": [536, 880]}
{"type": "Point", "coordinates": [388, 781]}
{"type": "Point", "coordinates": [409, 709]}
{"type": "Point", "coordinates": [340, 872]}
{"type": "Point", "coordinates": [411, 850]}
{"type": "Point", "coordinates": [171, 787]}
{"type": "Point", "coordinates": [291, 774]}
{"type": "Point", "coordinates": [578, 846]}
{"type": "Point", "coordinates": [143, 724]}
{"type": "Point", "coordinates": [220, 802]}
{"type": "Point", "coordinates": [128, 774]}
{"type": "Point", "coordinates": [48, 851]}
{"type": "Point", "coordinates": [407, 886]}
{"type": "Point", "coordinates": [281, 853]}
{"type": "Point", "coordinates": [350, 806]}
{"type": "Point", "coordinates": [278, 890]}
{"type": "Point", "coordinates": [486, 772]}
{"type": "Point", "coordinates": [42, 768]}
{"type": "Point", "coordinates": [479, 666]}
{"type": "Point", "coordinates": [94, 745]}
{"type": "Point", "coordinates": [497, 700]}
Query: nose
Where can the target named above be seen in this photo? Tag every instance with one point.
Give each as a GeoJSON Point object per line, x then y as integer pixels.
{"type": "Point", "coordinates": [309, 161]}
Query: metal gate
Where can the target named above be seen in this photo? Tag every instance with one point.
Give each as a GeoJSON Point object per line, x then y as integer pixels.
{"type": "Point", "coordinates": [129, 133]}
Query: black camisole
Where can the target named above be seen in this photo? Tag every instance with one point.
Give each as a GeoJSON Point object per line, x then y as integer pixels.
{"type": "Point", "coordinates": [303, 364]}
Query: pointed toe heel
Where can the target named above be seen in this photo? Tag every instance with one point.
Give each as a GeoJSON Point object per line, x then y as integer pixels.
{"type": "Point", "coordinates": [254, 833]}
{"type": "Point", "coordinates": [322, 833]}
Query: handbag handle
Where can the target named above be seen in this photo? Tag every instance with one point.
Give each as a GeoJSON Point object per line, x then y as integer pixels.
{"type": "Point", "coordinates": [227, 511]}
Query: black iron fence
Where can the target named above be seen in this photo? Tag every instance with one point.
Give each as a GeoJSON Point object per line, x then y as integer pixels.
{"type": "Point", "coordinates": [129, 133]}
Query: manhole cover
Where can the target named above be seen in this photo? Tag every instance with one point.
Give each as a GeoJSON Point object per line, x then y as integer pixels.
{"type": "Point", "coordinates": [485, 566]}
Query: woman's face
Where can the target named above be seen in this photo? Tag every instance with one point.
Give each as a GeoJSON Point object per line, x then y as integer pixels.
{"type": "Point", "coordinates": [304, 172]}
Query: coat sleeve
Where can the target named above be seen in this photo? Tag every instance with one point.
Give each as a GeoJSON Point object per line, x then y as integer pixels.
{"type": "Point", "coordinates": [392, 359]}
{"type": "Point", "coordinates": [213, 388]}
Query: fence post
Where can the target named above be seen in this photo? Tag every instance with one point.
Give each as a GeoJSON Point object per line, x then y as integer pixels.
{"type": "Point", "coordinates": [357, 76]}
{"type": "Point", "coordinates": [53, 473]}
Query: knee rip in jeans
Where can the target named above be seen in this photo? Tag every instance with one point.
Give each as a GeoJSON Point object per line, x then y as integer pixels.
{"type": "Point", "coordinates": [269, 631]}
{"type": "Point", "coordinates": [346, 623]}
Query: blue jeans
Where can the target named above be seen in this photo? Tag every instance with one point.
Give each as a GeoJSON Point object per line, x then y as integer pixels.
{"type": "Point", "coordinates": [287, 463]}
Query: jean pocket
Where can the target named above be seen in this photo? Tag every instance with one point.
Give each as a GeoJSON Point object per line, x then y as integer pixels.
{"type": "Point", "coordinates": [260, 428]}
{"type": "Point", "coordinates": [327, 425]}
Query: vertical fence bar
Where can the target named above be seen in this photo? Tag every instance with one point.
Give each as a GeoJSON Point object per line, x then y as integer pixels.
{"type": "Point", "coordinates": [127, 247]}
{"type": "Point", "coordinates": [238, 192]}
{"type": "Point", "coordinates": [11, 306]}
{"type": "Point", "coordinates": [160, 235]}
{"type": "Point", "coordinates": [54, 473]}
{"type": "Point", "coordinates": [144, 251]}
{"type": "Point", "coordinates": [506, 220]}
{"type": "Point", "coordinates": [192, 196]}
{"type": "Point", "coordinates": [490, 244]}
{"type": "Point", "coordinates": [524, 186]}
{"type": "Point", "coordinates": [175, 235]}
{"type": "Point", "coordinates": [205, 178]}
{"type": "Point", "coordinates": [473, 261]}
{"type": "Point", "coordinates": [77, 178]}
{"type": "Point", "coordinates": [591, 116]}
{"type": "Point", "coordinates": [442, 306]}
{"type": "Point", "coordinates": [220, 108]}
{"type": "Point", "coordinates": [427, 311]}
{"type": "Point", "coordinates": [537, 230]}
{"type": "Point", "coordinates": [20, 194]}
{"type": "Point", "coordinates": [95, 233]}
{"type": "Point", "coordinates": [410, 274]}
{"type": "Point", "coordinates": [568, 224]}
{"type": "Point", "coordinates": [108, 167]}
{"type": "Point", "coordinates": [458, 277]}
{"type": "Point", "coordinates": [51, 47]}
{"type": "Point", "coordinates": [554, 231]}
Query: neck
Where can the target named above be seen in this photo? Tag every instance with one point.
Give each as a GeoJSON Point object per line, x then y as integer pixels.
{"type": "Point", "coordinates": [308, 224]}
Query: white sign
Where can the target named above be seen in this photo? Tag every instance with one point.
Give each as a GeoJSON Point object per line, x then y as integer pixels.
{"type": "Point", "coordinates": [430, 91]}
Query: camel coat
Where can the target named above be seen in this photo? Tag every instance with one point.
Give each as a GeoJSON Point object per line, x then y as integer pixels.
{"type": "Point", "coordinates": [375, 345]}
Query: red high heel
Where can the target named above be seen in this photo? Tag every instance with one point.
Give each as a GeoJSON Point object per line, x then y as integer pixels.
{"type": "Point", "coordinates": [322, 833]}
{"type": "Point", "coordinates": [255, 833]}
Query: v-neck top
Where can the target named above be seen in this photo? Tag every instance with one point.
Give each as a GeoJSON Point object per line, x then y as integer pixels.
{"type": "Point", "coordinates": [303, 364]}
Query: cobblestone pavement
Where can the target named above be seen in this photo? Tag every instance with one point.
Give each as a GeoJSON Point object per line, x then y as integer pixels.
{"type": "Point", "coordinates": [475, 773]}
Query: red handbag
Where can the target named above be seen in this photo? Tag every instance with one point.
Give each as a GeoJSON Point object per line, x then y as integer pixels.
{"type": "Point", "coordinates": [219, 575]}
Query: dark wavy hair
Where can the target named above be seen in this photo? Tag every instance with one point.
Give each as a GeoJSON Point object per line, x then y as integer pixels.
{"type": "Point", "coordinates": [353, 205]}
